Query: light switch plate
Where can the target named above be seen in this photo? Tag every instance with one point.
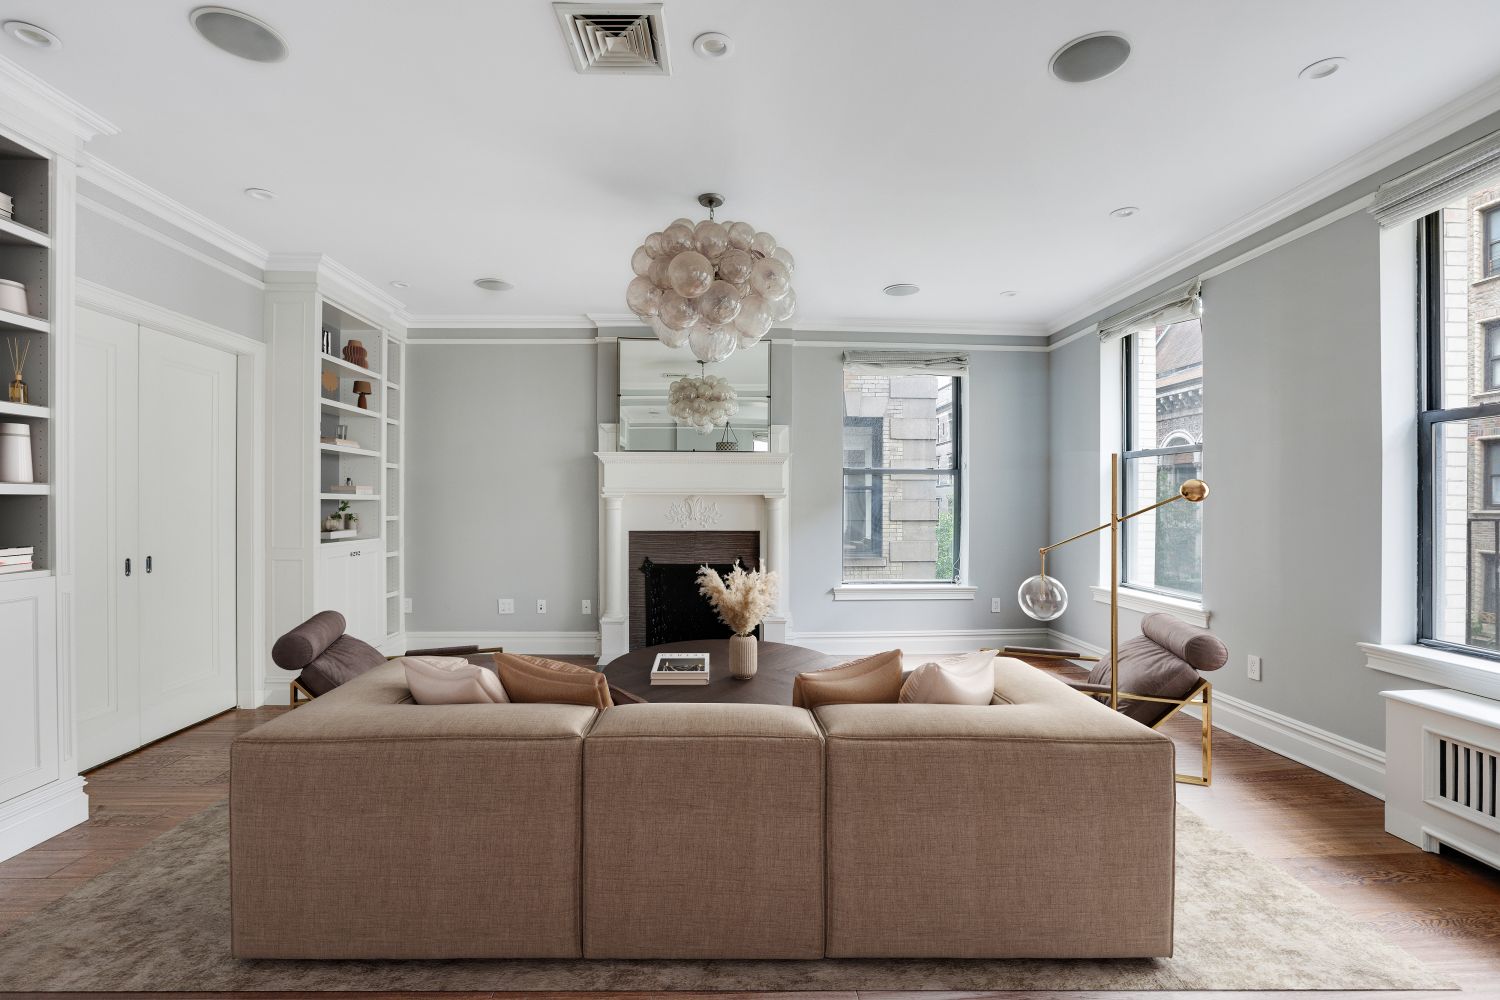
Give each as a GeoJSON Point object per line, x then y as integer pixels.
{"type": "Point", "coordinates": [406, 605]}
{"type": "Point", "coordinates": [995, 605]}
{"type": "Point", "coordinates": [507, 606]}
{"type": "Point", "coordinates": [588, 607]}
{"type": "Point", "coordinates": [1253, 668]}
{"type": "Point", "coordinates": [541, 606]}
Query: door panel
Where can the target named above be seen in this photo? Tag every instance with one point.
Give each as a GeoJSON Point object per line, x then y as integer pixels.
{"type": "Point", "coordinates": [107, 682]}
{"type": "Point", "coordinates": [187, 491]}
{"type": "Point", "coordinates": [28, 676]}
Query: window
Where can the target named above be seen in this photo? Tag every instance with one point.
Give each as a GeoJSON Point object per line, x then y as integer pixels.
{"type": "Point", "coordinates": [1163, 449]}
{"type": "Point", "coordinates": [1458, 444]}
{"type": "Point", "coordinates": [902, 469]}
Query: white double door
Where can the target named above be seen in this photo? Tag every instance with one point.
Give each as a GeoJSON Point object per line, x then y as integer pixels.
{"type": "Point", "coordinates": [154, 534]}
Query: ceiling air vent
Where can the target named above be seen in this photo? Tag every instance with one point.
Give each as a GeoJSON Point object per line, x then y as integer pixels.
{"type": "Point", "coordinates": [615, 38]}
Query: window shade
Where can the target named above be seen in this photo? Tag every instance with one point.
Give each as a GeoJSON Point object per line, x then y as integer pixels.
{"type": "Point", "coordinates": [1175, 305]}
{"type": "Point", "coordinates": [906, 362]}
{"type": "Point", "coordinates": [1441, 182]}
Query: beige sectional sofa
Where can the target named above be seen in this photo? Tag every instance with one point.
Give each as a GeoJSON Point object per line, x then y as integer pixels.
{"type": "Point", "coordinates": [365, 826]}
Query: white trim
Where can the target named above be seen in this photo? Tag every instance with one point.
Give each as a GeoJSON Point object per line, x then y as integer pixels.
{"type": "Point", "coordinates": [1471, 674]}
{"type": "Point", "coordinates": [1140, 600]}
{"type": "Point", "coordinates": [615, 319]}
{"type": "Point", "coordinates": [1088, 331]}
{"type": "Point", "coordinates": [122, 185]}
{"type": "Point", "coordinates": [923, 642]}
{"type": "Point", "coordinates": [41, 814]}
{"type": "Point", "coordinates": [959, 328]}
{"type": "Point", "coordinates": [1073, 642]}
{"type": "Point", "coordinates": [1285, 238]}
{"type": "Point", "coordinates": [162, 238]}
{"type": "Point", "coordinates": [1470, 848]}
{"type": "Point", "coordinates": [331, 271]}
{"type": "Point", "coordinates": [903, 592]}
{"type": "Point", "coordinates": [1414, 137]}
{"type": "Point", "coordinates": [552, 322]}
{"type": "Point", "coordinates": [516, 341]}
{"type": "Point", "coordinates": [1483, 711]}
{"type": "Point", "coordinates": [880, 344]}
{"type": "Point", "coordinates": [533, 643]}
{"type": "Point", "coordinates": [250, 466]}
{"type": "Point", "coordinates": [51, 103]}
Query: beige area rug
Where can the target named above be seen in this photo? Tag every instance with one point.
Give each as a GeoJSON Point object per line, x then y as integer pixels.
{"type": "Point", "coordinates": [159, 920]}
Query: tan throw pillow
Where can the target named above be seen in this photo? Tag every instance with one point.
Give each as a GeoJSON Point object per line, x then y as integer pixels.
{"type": "Point", "coordinates": [533, 679]}
{"type": "Point", "coordinates": [874, 679]}
{"type": "Point", "coordinates": [968, 679]}
{"type": "Point", "coordinates": [451, 680]}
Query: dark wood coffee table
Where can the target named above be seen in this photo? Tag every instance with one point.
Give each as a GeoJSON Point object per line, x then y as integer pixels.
{"type": "Point", "coordinates": [776, 665]}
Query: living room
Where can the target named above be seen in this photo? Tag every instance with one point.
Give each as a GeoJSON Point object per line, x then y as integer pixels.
{"type": "Point", "coordinates": [1022, 357]}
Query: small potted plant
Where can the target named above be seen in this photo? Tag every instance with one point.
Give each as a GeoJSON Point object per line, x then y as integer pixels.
{"type": "Point", "coordinates": [351, 519]}
{"type": "Point", "coordinates": [742, 602]}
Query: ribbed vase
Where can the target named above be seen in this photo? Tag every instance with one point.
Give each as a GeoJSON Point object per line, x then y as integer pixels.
{"type": "Point", "coordinates": [742, 656]}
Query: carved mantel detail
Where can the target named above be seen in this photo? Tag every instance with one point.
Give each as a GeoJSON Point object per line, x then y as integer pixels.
{"type": "Point", "coordinates": [694, 511]}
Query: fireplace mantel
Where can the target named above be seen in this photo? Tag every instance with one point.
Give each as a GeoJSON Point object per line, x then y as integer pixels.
{"type": "Point", "coordinates": [666, 491]}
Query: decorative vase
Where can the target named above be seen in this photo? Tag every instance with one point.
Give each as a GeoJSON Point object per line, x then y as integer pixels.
{"type": "Point", "coordinates": [742, 657]}
{"type": "Point", "coordinates": [15, 453]}
{"type": "Point", "coordinates": [13, 297]}
{"type": "Point", "coordinates": [355, 354]}
{"type": "Point", "coordinates": [334, 523]}
{"type": "Point", "coordinates": [18, 392]}
{"type": "Point", "coordinates": [351, 522]}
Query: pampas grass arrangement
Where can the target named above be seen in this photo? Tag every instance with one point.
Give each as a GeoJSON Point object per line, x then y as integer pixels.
{"type": "Point", "coordinates": [743, 600]}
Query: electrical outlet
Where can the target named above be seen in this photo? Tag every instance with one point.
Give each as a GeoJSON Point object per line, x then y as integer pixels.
{"type": "Point", "coordinates": [1253, 668]}
{"type": "Point", "coordinates": [541, 606]}
{"type": "Point", "coordinates": [406, 605]}
{"type": "Point", "coordinates": [995, 605]}
{"type": "Point", "coordinates": [588, 607]}
{"type": "Point", "coordinates": [507, 606]}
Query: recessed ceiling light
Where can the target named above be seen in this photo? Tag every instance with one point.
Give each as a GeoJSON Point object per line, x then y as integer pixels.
{"type": "Point", "coordinates": [1124, 213]}
{"type": "Point", "coordinates": [1322, 69]}
{"type": "Point", "coordinates": [902, 289]}
{"type": "Point", "coordinates": [32, 35]}
{"type": "Point", "coordinates": [713, 45]}
{"type": "Point", "coordinates": [401, 284]}
{"type": "Point", "coordinates": [1008, 294]}
{"type": "Point", "coordinates": [239, 34]}
{"type": "Point", "coordinates": [261, 194]}
{"type": "Point", "coordinates": [1091, 57]}
{"type": "Point", "coordinates": [494, 285]}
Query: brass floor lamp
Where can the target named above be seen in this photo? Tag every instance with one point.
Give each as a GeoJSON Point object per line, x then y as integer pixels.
{"type": "Point", "coordinates": [1045, 598]}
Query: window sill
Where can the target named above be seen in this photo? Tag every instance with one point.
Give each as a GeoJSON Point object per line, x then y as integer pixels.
{"type": "Point", "coordinates": [1471, 674]}
{"type": "Point", "coordinates": [1138, 600]}
{"type": "Point", "coordinates": [904, 592]}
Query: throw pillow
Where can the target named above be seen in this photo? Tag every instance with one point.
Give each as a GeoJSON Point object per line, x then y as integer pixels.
{"type": "Point", "coordinates": [958, 680]}
{"type": "Point", "coordinates": [1200, 648]}
{"type": "Point", "coordinates": [874, 679]}
{"type": "Point", "coordinates": [451, 680]}
{"type": "Point", "coordinates": [306, 642]}
{"type": "Point", "coordinates": [344, 659]}
{"type": "Point", "coordinates": [533, 679]}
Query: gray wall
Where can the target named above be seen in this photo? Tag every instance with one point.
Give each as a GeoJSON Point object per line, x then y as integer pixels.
{"type": "Point", "coordinates": [121, 258]}
{"type": "Point", "coordinates": [501, 483]}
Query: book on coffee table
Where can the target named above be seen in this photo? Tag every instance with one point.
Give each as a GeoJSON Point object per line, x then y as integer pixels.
{"type": "Point", "coordinates": [680, 668]}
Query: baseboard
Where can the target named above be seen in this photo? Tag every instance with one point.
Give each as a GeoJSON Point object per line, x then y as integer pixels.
{"type": "Point", "coordinates": [934, 641]}
{"type": "Point", "coordinates": [30, 819]}
{"type": "Point", "coordinates": [533, 643]}
{"type": "Point", "coordinates": [1071, 642]}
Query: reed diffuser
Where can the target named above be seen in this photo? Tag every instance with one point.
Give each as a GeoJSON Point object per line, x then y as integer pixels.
{"type": "Point", "coordinates": [18, 352]}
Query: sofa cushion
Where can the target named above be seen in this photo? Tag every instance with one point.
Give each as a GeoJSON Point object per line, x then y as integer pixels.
{"type": "Point", "coordinates": [958, 680]}
{"type": "Point", "coordinates": [1198, 647]}
{"type": "Point", "coordinates": [451, 680]}
{"type": "Point", "coordinates": [345, 659]}
{"type": "Point", "coordinates": [534, 679]}
{"type": "Point", "coordinates": [303, 644]}
{"type": "Point", "coordinates": [874, 678]}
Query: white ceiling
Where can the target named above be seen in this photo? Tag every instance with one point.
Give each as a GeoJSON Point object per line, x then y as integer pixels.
{"type": "Point", "coordinates": [881, 142]}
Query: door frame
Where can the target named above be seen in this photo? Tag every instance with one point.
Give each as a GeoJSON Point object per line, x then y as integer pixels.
{"type": "Point", "coordinates": [250, 467]}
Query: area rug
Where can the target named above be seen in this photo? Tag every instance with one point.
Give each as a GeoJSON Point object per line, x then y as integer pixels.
{"type": "Point", "coordinates": [159, 921]}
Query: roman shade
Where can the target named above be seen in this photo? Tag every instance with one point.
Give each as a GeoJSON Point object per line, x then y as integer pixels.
{"type": "Point", "coordinates": [1176, 305]}
{"type": "Point", "coordinates": [906, 362]}
{"type": "Point", "coordinates": [1441, 182]}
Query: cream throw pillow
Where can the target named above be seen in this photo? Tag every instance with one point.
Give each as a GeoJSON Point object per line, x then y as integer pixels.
{"type": "Point", "coordinates": [959, 680]}
{"type": "Point", "coordinates": [451, 680]}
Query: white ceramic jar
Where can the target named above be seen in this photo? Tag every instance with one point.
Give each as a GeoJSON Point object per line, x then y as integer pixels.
{"type": "Point", "coordinates": [13, 297]}
{"type": "Point", "coordinates": [15, 453]}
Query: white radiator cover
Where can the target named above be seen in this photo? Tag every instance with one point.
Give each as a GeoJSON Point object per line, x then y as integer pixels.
{"type": "Point", "coordinates": [1442, 761]}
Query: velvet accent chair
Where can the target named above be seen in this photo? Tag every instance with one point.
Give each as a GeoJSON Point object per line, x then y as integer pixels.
{"type": "Point", "coordinates": [1160, 672]}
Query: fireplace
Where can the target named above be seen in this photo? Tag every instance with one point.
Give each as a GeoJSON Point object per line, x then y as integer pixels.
{"type": "Point", "coordinates": [665, 605]}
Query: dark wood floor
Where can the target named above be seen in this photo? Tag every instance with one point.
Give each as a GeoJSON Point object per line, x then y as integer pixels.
{"type": "Point", "coordinates": [1444, 909]}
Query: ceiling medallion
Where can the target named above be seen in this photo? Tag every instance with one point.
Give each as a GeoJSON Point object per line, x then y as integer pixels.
{"type": "Point", "coordinates": [713, 286]}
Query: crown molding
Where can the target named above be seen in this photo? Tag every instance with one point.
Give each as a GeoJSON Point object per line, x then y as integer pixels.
{"type": "Point", "coordinates": [553, 322]}
{"type": "Point", "coordinates": [1414, 137]}
{"type": "Point", "coordinates": [123, 186]}
{"type": "Point", "coordinates": [52, 104]}
{"type": "Point", "coordinates": [135, 225]}
{"type": "Point", "coordinates": [328, 269]}
{"type": "Point", "coordinates": [614, 319]}
{"type": "Point", "coordinates": [958, 328]}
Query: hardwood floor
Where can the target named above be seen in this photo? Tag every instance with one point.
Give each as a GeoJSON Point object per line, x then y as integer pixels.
{"type": "Point", "coordinates": [1444, 909]}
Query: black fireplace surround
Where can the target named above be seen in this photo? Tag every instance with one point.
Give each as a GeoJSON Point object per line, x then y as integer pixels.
{"type": "Point", "coordinates": [675, 610]}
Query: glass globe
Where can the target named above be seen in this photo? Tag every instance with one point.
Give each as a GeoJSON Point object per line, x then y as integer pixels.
{"type": "Point", "coordinates": [657, 272]}
{"type": "Point", "coordinates": [676, 239]}
{"type": "Point", "coordinates": [676, 312]}
{"type": "Point", "coordinates": [754, 317]}
{"type": "Point", "coordinates": [782, 308]}
{"type": "Point", "coordinates": [643, 298]}
{"type": "Point", "coordinates": [672, 338]}
{"type": "Point", "coordinates": [1043, 598]}
{"type": "Point", "coordinates": [735, 265]}
{"type": "Point", "coordinates": [640, 261]}
{"type": "Point", "coordinates": [689, 223]}
{"type": "Point", "coordinates": [653, 245]}
{"type": "Point", "coordinates": [763, 244]}
{"type": "Point", "coordinates": [741, 235]}
{"type": "Point", "coordinates": [711, 238]}
{"type": "Point", "coordinates": [770, 278]}
{"type": "Point", "coordinates": [785, 256]}
{"type": "Point", "coordinates": [690, 274]}
{"type": "Point", "coordinates": [720, 304]}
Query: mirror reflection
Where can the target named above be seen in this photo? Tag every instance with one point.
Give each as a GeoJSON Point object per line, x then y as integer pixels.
{"type": "Point", "coordinates": [647, 370]}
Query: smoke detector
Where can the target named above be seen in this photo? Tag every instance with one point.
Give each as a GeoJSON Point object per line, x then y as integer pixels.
{"type": "Point", "coordinates": [615, 38]}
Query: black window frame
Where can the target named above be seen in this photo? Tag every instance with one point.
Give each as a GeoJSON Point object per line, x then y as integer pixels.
{"type": "Point", "coordinates": [1430, 413]}
{"type": "Point", "coordinates": [878, 474]}
{"type": "Point", "coordinates": [1490, 234]}
{"type": "Point", "coordinates": [1491, 355]}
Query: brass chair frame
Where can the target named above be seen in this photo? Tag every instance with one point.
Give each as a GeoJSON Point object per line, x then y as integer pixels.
{"type": "Point", "coordinates": [307, 696]}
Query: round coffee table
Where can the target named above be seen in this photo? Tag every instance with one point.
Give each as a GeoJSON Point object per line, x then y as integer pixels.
{"type": "Point", "coordinates": [776, 665]}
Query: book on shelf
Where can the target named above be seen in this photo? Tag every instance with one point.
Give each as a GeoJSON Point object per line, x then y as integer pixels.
{"type": "Point", "coordinates": [23, 550]}
{"type": "Point", "coordinates": [352, 490]}
{"type": "Point", "coordinates": [341, 533]}
{"type": "Point", "coordinates": [13, 560]}
{"type": "Point", "coordinates": [340, 442]}
{"type": "Point", "coordinates": [680, 668]}
{"type": "Point", "coordinates": [24, 567]}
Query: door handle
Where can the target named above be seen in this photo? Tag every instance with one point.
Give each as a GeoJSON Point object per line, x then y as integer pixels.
{"type": "Point", "coordinates": [148, 564]}
{"type": "Point", "coordinates": [127, 567]}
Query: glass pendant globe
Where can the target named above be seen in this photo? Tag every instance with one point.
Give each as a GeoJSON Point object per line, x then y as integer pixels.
{"type": "Point", "coordinates": [1043, 598]}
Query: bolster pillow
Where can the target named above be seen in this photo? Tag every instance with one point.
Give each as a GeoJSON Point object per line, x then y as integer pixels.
{"type": "Point", "coordinates": [1199, 647]}
{"type": "Point", "coordinates": [306, 642]}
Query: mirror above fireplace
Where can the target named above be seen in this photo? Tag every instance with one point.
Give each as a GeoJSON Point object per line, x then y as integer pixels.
{"type": "Point", "coordinates": [647, 369]}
